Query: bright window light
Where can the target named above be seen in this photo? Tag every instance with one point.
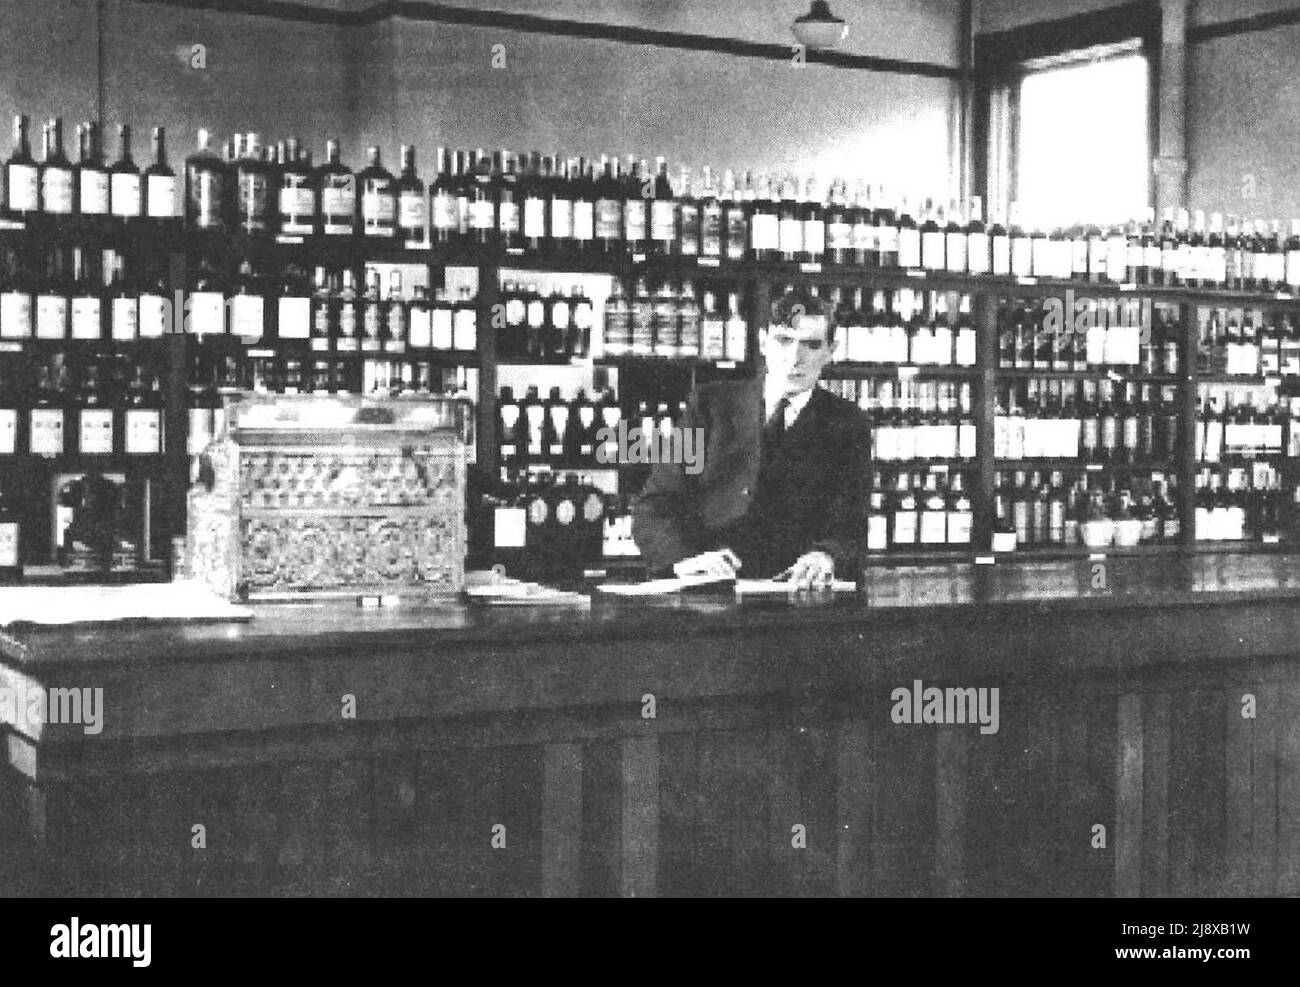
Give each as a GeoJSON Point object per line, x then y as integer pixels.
{"type": "Point", "coordinates": [1083, 154]}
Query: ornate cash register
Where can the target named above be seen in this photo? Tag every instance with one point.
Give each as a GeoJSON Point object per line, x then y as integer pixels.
{"type": "Point", "coordinates": [316, 496]}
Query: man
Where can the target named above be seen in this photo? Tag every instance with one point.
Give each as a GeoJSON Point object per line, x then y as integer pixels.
{"type": "Point", "coordinates": [784, 484]}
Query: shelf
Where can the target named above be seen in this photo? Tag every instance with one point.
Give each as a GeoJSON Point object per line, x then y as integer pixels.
{"type": "Point", "coordinates": [1100, 373]}
{"type": "Point", "coordinates": [934, 465]}
{"type": "Point", "coordinates": [1083, 466]}
{"type": "Point", "coordinates": [865, 371]}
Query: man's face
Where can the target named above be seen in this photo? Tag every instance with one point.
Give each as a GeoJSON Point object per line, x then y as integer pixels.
{"type": "Point", "coordinates": [795, 354]}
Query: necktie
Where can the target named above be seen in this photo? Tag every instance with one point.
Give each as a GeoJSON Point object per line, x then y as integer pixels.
{"type": "Point", "coordinates": [774, 430]}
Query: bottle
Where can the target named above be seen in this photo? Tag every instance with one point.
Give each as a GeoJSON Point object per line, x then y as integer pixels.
{"type": "Point", "coordinates": [688, 323]}
{"type": "Point", "coordinates": [608, 208]}
{"type": "Point", "coordinates": [663, 213]}
{"type": "Point", "coordinates": [979, 260]}
{"type": "Point", "coordinates": [58, 190]}
{"type": "Point", "coordinates": [338, 194]}
{"type": "Point", "coordinates": [642, 312]}
{"type": "Point", "coordinates": [345, 319]}
{"type": "Point", "coordinates": [737, 330]}
{"type": "Point", "coordinates": [442, 323]}
{"type": "Point", "coordinates": [559, 208]}
{"type": "Point", "coordinates": [909, 239]}
{"type": "Point", "coordinates": [296, 193]}
{"type": "Point", "coordinates": [618, 322]}
{"type": "Point", "coordinates": [52, 293]}
{"type": "Point", "coordinates": [814, 224]}
{"type": "Point", "coordinates": [160, 182]}
{"type": "Point", "coordinates": [688, 217]}
{"type": "Point", "coordinates": [253, 204]}
{"type": "Point", "coordinates": [711, 217]}
{"type": "Point", "coordinates": [247, 306]}
{"type": "Point", "coordinates": [377, 206]}
{"type": "Point", "coordinates": [508, 195]}
{"type": "Point", "coordinates": [11, 554]}
{"type": "Point", "coordinates": [578, 334]}
{"type": "Point", "coordinates": [764, 225]}
{"type": "Point", "coordinates": [735, 219]}
{"type": "Point", "coordinates": [636, 207]}
{"type": "Point", "coordinates": [372, 314]}
{"type": "Point", "coordinates": [21, 174]}
{"type": "Point", "coordinates": [206, 188]}
{"type": "Point", "coordinates": [85, 304]}
{"type": "Point", "coordinates": [999, 250]}
{"type": "Point", "coordinates": [412, 208]}
{"type": "Point", "coordinates": [464, 319]}
{"type": "Point", "coordinates": [584, 205]}
{"type": "Point", "coordinates": [933, 238]}
{"type": "Point", "coordinates": [664, 322]}
{"type": "Point", "coordinates": [92, 175]}
{"type": "Point", "coordinates": [713, 330]}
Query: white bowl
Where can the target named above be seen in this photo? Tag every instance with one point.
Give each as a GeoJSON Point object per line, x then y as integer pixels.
{"type": "Point", "coordinates": [1097, 534]}
{"type": "Point", "coordinates": [1128, 533]}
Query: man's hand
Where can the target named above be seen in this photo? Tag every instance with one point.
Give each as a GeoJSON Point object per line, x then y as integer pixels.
{"type": "Point", "coordinates": [812, 571]}
{"type": "Point", "coordinates": [722, 564]}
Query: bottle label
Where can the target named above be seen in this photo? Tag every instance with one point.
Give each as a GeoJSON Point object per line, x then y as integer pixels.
{"type": "Point", "coordinates": [207, 190]}
{"type": "Point", "coordinates": [977, 250]}
{"type": "Point", "coordinates": [909, 250]}
{"type": "Point", "coordinates": [957, 253]}
{"type": "Point", "coordinates": [737, 233]}
{"type": "Point", "coordinates": [536, 313]}
{"type": "Point", "coordinates": [85, 318]}
{"type": "Point", "coordinates": [608, 215]}
{"type": "Point", "coordinates": [737, 339]}
{"type": "Point", "coordinates": [790, 235]}
{"type": "Point", "coordinates": [378, 208]}
{"type": "Point", "coordinates": [534, 217]}
{"type": "Point", "coordinates": [8, 431]}
{"type": "Point", "coordinates": [466, 329]}
{"type": "Point", "coordinates": [561, 218]}
{"type": "Point", "coordinates": [56, 190]}
{"type": "Point", "coordinates": [46, 431]}
{"type": "Point", "coordinates": [246, 316]}
{"type": "Point", "coordinates": [96, 432]}
{"type": "Point", "coordinates": [8, 545]}
{"type": "Point", "coordinates": [411, 211]}
{"type": "Point", "coordinates": [582, 315]}
{"type": "Point", "coordinates": [94, 192]}
{"type": "Point", "coordinates": [481, 214]}
{"type": "Point", "coordinates": [371, 326]}
{"type": "Point", "coordinates": [253, 200]}
{"type": "Point", "coordinates": [446, 211]}
{"type": "Point", "coordinates": [420, 329]}
{"type": "Point", "coordinates": [440, 329]}
{"type": "Point", "coordinates": [663, 220]}
{"type": "Point", "coordinates": [126, 195]}
{"type": "Point", "coordinates": [23, 188]}
{"type": "Point", "coordinates": [905, 527]}
{"type": "Point", "coordinates": [293, 316]}
{"type": "Point", "coordinates": [161, 196]}
{"type": "Point", "coordinates": [15, 315]}
{"type": "Point", "coordinates": [713, 339]}
{"type": "Point", "coordinates": [125, 319]}
{"type": "Point", "coordinates": [348, 320]}
{"type": "Point", "coordinates": [155, 314]}
{"type": "Point", "coordinates": [560, 314]}
{"type": "Point", "coordinates": [508, 216]}
{"type": "Point", "coordinates": [51, 317]}
{"type": "Point", "coordinates": [932, 251]}
{"type": "Point", "coordinates": [634, 219]}
{"type": "Point", "coordinates": [297, 205]}
{"type": "Point", "coordinates": [206, 315]}
{"type": "Point", "coordinates": [765, 232]}
{"type": "Point", "coordinates": [143, 431]}
{"type": "Point", "coordinates": [338, 203]}
{"type": "Point", "coordinates": [841, 236]}
{"type": "Point", "coordinates": [711, 230]}
{"type": "Point", "coordinates": [814, 237]}
{"type": "Point", "coordinates": [584, 220]}
{"type": "Point", "coordinates": [887, 239]}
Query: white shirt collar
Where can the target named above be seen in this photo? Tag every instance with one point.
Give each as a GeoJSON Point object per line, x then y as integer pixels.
{"type": "Point", "coordinates": [794, 407]}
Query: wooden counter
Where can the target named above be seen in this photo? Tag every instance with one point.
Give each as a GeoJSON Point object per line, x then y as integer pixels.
{"type": "Point", "coordinates": [1120, 707]}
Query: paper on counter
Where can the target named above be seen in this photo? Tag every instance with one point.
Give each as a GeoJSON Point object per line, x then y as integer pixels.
{"type": "Point", "coordinates": [51, 605]}
{"type": "Point", "coordinates": [756, 587]}
{"type": "Point", "coordinates": [658, 587]}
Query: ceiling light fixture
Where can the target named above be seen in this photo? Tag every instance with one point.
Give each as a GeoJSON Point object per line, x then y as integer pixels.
{"type": "Point", "coordinates": [819, 28]}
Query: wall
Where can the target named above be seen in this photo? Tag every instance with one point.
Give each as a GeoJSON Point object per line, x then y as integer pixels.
{"type": "Point", "coordinates": [1243, 108]}
{"type": "Point", "coordinates": [396, 81]}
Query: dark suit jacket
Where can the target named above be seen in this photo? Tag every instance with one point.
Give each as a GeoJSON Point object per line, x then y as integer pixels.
{"type": "Point", "coordinates": [818, 502]}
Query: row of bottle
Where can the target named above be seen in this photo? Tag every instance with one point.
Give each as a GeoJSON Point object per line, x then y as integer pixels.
{"type": "Point", "coordinates": [110, 404]}
{"type": "Point", "coordinates": [1045, 335]}
{"type": "Point", "coordinates": [57, 186]}
{"type": "Point", "coordinates": [1248, 345]}
{"type": "Point", "coordinates": [671, 323]}
{"type": "Point", "coordinates": [1246, 423]}
{"type": "Point", "coordinates": [918, 509]}
{"type": "Point", "coordinates": [546, 327]}
{"type": "Point", "coordinates": [555, 430]}
{"type": "Point", "coordinates": [1245, 504]}
{"type": "Point", "coordinates": [531, 201]}
{"type": "Point", "coordinates": [914, 419]}
{"type": "Point", "coordinates": [1098, 421]}
{"type": "Point", "coordinates": [547, 525]}
{"type": "Point", "coordinates": [1044, 509]}
{"type": "Point", "coordinates": [903, 327]}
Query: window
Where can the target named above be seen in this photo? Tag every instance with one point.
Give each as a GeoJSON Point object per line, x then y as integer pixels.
{"type": "Point", "coordinates": [1082, 138]}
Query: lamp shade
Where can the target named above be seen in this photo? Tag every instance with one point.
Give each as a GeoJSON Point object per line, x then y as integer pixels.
{"type": "Point", "coordinates": [819, 28]}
